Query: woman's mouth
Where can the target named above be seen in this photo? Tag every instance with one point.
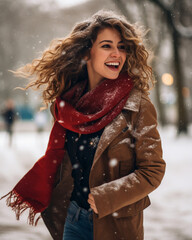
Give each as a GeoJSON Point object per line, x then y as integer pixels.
{"type": "Point", "coordinates": [113, 65]}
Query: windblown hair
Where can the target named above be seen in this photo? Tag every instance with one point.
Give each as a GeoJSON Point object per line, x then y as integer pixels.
{"type": "Point", "coordinates": [62, 64]}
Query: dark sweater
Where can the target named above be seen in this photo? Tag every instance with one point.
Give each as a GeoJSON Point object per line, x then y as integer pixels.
{"type": "Point", "coordinates": [81, 151]}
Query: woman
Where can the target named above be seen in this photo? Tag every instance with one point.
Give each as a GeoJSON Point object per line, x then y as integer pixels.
{"type": "Point", "coordinates": [104, 153]}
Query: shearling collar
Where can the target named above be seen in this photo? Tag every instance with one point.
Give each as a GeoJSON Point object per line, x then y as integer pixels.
{"type": "Point", "coordinates": [115, 127]}
{"type": "Point", "coordinates": [134, 100]}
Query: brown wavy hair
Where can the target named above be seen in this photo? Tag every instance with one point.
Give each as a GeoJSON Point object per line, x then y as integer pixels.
{"type": "Point", "coordinates": [62, 64]}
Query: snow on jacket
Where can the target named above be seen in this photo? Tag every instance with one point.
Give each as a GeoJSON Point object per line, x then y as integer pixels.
{"type": "Point", "coordinates": [127, 166]}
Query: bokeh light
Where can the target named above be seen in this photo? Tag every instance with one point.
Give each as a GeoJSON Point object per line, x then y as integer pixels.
{"type": "Point", "coordinates": [167, 79]}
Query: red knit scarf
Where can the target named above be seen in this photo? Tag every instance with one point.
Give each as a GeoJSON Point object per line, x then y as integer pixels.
{"type": "Point", "coordinates": [86, 114]}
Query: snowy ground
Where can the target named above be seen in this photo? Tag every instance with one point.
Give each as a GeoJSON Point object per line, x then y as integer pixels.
{"type": "Point", "coordinates": [170, 215]}
{"type": "Point", "coordinates": [168, 218]}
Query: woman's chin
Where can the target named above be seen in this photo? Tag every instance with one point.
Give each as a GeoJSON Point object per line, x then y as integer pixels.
{"type": "Point", "coordinates": [112, 76]}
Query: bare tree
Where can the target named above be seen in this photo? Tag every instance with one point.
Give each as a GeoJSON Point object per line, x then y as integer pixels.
{"type": "Point", "coordinates": [172, 12]}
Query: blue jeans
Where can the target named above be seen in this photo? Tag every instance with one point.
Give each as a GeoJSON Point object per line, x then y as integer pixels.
{"type": "Point", "coordinates": [78, 224]}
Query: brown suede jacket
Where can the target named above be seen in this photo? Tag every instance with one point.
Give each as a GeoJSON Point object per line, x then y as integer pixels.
{"type": "Point", "coordinates": [132, 144]}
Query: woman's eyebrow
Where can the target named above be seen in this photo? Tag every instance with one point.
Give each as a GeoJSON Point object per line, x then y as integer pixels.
{"type": "Point", "coordinates": [106, 41]}
{"type": "Point", "coordinates": [110, 41]}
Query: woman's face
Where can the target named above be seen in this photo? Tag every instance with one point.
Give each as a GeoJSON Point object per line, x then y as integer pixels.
{"type": "Point", "coordinates": [107, 56]}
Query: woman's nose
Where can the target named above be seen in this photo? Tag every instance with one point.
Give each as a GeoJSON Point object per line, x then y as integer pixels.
{"type": "Point", "coordinates": [115, 53]}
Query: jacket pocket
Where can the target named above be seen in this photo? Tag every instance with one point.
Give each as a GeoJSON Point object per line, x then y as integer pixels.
{"type": "Point", "coordinates": [132, 209]}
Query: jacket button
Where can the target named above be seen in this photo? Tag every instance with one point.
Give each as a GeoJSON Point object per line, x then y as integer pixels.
{"type": "Point", "coordinates": [125, 129]}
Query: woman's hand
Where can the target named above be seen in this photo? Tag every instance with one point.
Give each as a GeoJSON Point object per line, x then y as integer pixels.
{"type": "Point", "coordinates": [91, 201]}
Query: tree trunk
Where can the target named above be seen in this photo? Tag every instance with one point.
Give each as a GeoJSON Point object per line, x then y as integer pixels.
{"type": "Point", "coordinates": [160, 106]}
{"type": "Point", "coordinates": [182, 121]}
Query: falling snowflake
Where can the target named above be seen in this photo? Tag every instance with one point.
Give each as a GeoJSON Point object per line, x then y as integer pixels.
{"type": "Point", "coordinates": [113, 162]}
{"type": "Point", "coordinates": [76, 165]}
{"type": "Point", "coordinates": [115, 214]}
{"type": "Point", "coordinates": [81, 148]}
{"type": "Point", "coordinates": [60, 121]}
{"type": "Point", "coordinates": [85, 189]}
{"type": "Point", "coordinates": [62, 104]}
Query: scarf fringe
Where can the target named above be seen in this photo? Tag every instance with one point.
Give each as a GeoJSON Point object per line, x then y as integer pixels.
{"type": "Point", "coordinates": [19, 205]}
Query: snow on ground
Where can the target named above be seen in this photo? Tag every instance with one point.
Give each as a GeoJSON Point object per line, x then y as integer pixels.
{"type": "Point", "coordinates": [168, 218]}
{"type": "Point", "coordinates": [15, 161]}
{"type": "Point", "coordinates": [170, 215]}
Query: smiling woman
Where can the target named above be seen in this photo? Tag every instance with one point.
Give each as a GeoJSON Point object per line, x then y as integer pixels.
{"type": "Point", "coordinates": [104, 153]}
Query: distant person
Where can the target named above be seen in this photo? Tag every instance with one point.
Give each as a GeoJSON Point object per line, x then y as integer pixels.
{"type": "Point", "coordinates": [40, 120]}
{"type": "Point", "coordinates": [104, 154]}
{"type": "Point", "coordinates": [9, 115]}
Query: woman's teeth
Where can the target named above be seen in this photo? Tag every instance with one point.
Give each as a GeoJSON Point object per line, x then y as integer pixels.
{"type": "Point", "coordinates": [114, 64]}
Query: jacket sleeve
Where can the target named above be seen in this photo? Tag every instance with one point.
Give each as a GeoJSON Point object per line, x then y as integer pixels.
{"type": "Point", "coordinates": [149, 171]}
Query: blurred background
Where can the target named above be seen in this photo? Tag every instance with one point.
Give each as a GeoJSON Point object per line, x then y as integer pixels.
{"type": "Point", "coordinates": [26, 29]}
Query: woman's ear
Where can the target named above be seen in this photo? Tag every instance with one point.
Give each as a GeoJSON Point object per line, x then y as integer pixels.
{"type": "Point", "coordinates": [87, 54]}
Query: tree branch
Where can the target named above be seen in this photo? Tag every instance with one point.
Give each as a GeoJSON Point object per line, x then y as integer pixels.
{"type": "Point", "coordinates": [182, 31]}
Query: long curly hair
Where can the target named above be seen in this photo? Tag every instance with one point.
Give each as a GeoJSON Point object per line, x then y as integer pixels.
{"type": "Point", "coordinates": [62, 64]}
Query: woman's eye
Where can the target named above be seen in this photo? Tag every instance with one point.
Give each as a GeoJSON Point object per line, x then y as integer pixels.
{"type": "Point", "coordinates": [122, 47]}
{"type": "Point", "coordinates": [106, 46]}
